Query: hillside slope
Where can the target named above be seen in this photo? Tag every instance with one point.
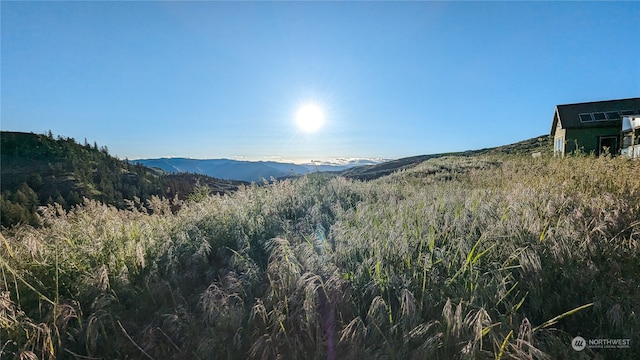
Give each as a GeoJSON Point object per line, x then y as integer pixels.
{"type": "Point", "coordinates": [540, 144]}
{"type": "Point", "coordinates": [37, 170]}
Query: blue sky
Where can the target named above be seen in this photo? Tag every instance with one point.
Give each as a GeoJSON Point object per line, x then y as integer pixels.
{"type": "Point", "coordinates": [225, 79]}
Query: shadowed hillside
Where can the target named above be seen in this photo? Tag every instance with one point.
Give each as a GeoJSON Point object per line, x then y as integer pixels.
{"type": "Point", "coordinates": [37, 170]}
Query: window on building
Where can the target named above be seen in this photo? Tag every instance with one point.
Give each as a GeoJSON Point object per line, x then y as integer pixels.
{"type": "Point", "coordinates": [599, 116]}
{"type": "Point", "coordinates": [585, 117]}
{"type": "Point", "coordinates": [558, 148]}
{"type": "Point", "coordinates": [613, 115]}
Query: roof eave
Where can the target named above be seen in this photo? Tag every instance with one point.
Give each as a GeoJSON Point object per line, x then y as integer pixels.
{"type": "Point", "coordinates": [554, 125]}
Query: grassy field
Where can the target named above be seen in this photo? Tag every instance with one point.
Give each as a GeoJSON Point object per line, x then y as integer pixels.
{"type": "Point", "coordinates": [485, 257]}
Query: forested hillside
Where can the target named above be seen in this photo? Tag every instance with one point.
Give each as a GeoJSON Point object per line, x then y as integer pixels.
{"type": "Point", "coordinates": [38, 170]}
{"type": "Point", "coordinates": [483, 257]}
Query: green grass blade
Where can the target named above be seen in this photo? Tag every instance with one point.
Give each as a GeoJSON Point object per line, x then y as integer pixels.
{"type": "Point", "coordinates": [554, 320]}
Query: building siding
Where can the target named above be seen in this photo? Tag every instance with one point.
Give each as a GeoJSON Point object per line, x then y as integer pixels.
{"type": "Point", "coordinates": [586, 140]}
{"type": "Point", "coordinates": [560, 134]}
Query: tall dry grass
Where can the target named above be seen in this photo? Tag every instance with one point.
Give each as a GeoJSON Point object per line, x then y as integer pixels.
{"type": "Point", "coordinates": [459, 257]}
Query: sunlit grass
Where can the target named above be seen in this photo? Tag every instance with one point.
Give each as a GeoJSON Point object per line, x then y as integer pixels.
{"type": "Point", "coordinates": [459, 257]}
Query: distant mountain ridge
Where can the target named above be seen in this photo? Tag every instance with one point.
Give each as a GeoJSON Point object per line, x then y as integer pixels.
{"type": "Point", "coordinates": [252, 171]}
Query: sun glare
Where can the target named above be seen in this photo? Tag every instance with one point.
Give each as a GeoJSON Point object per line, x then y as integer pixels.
{"type": "Point", "coordinates": [309, 118]}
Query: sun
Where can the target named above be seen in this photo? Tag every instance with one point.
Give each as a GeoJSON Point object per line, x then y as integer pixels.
{"type": "Point", "coordinates": [309, 118]}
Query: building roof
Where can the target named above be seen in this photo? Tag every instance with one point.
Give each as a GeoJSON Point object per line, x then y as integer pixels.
{"type": "Point", "coordinates": [594, 114]}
